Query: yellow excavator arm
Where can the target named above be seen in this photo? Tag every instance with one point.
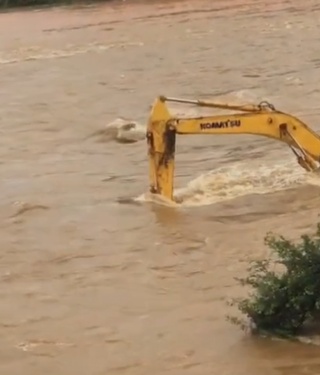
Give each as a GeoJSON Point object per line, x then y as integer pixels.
{"type": "Point", "coordinates": [262, 119]}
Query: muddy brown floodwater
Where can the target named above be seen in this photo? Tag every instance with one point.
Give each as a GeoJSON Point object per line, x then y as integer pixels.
{"type": "Point", "coordinates": [93, 284]}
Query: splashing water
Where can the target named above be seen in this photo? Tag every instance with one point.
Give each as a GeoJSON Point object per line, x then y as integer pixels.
{"type": "Point", "coordinates": [234, 181]}
{"type": "Point", "coordinates": [122, 131]}
{"type": "Point", "coordinates": [129, 132]}
{"type": "Point", "coordinates": [239, 180]}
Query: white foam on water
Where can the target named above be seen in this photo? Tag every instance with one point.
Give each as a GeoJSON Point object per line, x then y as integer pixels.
{"type": "Point", "coordinates": [124, 131]}
{"type": "Point", "coordinates": [237, 180]}
{"type": "Point", "coordinates": [40, 53]}
{"type": "Point", "coordinates": [157, 199]}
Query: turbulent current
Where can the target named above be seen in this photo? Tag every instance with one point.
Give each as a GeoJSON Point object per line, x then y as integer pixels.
{"type": "Point", "coordinates": [97, 276]}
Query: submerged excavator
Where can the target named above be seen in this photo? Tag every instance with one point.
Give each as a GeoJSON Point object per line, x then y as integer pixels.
{"type": "Point", "coordinates": [262, 119]}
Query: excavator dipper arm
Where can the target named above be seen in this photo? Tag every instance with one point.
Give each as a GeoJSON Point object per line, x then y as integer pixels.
{"type": "Point", "coordinates": [262, 119]}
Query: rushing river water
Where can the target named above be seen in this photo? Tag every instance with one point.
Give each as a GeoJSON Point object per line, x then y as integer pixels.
{"type": "Point", "coordinates": [91, 284]}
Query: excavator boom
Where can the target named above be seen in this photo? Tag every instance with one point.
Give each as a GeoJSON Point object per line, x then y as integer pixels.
{"type": "Point", "coordinates": [262, 119]}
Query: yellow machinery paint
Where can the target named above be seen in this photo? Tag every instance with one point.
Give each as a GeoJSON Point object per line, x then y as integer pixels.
{"type": "Point", "coordinates": [262, 119]}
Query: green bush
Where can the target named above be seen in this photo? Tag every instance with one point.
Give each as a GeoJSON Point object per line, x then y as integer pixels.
{"type": "Point", "coordinates": [283, 301]}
